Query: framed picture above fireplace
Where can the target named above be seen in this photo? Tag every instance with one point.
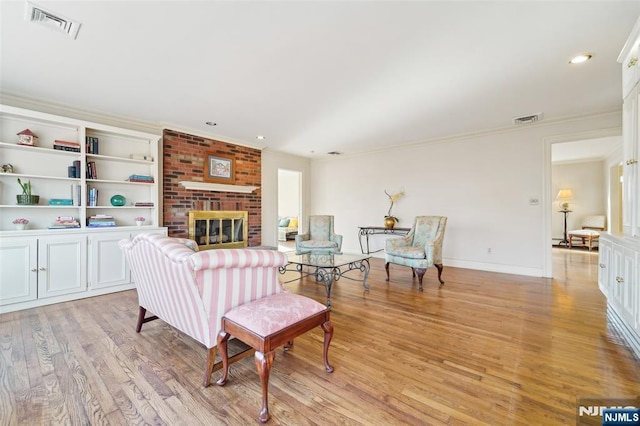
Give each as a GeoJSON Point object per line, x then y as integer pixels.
{"type": "Point", "coordinates": [220, 169]}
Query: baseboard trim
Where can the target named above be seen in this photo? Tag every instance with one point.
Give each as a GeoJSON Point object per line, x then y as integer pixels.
{"type": "Point", "coordinates": [629, 336]}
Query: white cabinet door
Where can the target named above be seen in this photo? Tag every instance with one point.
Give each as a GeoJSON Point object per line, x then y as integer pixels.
{"type": "Point", "coordinates": [108, 266]}
{"type": "Point", "coordinates": [632, 172]}
{"type": "Point", "coordinates": [18, 270]}
{"type": "Point", "coordinates": [629, 144]}
{"type": "Point", "coordinates": [628, 284]}
{"type": "Point", "coordinates": [62, 264]}
{"type": "Point", "coordinates": [622, 282]}
{"type": "Point", "coordinates": [604, 266]}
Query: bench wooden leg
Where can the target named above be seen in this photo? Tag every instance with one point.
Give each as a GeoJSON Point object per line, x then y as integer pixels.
{"type": "Point", "coordinates": [263, 364]}
{"type": "Point", "coordinates": [223, 339]}
{"type": "Point", "coordinates": [327, 327]}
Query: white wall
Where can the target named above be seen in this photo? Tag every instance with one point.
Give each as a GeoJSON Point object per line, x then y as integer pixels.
{"type": "Point", "coordinates": [288, 193]}
{"type": "Point", "coordinates": [588, 183]}
{"type": "Point", "coordinates": [482, 183]}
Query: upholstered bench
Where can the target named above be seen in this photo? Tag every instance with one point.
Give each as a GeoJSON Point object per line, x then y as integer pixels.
{"type": "Point", "coordinates": [268, 323]}
{"type": "Point", "coordinates": [584, 234]}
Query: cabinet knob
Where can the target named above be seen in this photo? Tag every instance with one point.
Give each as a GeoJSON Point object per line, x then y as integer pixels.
{"type": "Point", "coordinates": [620, 280]}
{"type": "Point", "coordinates": [632, 62]}
{"type": "Point", "coordinates": [631, 162]}
{"type": "Point", "coordinates": [602, 265]}
{"type": "Point", "coordinates": [42, 268]}
{"type": "Point", "coordinates": [34, 270]}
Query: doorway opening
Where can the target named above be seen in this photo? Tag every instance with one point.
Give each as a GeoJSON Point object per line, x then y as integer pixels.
{"type": "Point", "coordinates": [289, 207]}
{"type": "Point", "coordinates": [587, 165]}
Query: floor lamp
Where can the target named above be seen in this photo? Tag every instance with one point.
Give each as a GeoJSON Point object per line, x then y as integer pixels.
{"type": "Point", "coordinates": [564, 195]}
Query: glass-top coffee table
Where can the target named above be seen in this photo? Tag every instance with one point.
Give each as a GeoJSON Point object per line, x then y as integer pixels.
{"type": "Point", "coordinates": [327, 268]}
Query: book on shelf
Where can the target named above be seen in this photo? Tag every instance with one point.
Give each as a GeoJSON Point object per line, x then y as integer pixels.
{"type": "Point", "coordinates": [92, 172]}
{"type": "Point", "coordinates": [101, 220]}
{"type": "Point", "coordinates": [101, 224]}
{"type": "Point", "coordinates": [66, 143]}
{"type": "Point", "coordinates": [66, 148]}
{"type": "Point", "coordinates": [61, 202]}
{"type": "Point", "coordinates": [143, 204]}
{"type": "Point", "coordinates": [75, 194]}
{"type": "Point", "coordinates": [141, 178]}
{"type": "Point", "coordinates": [92, 145]}
{"type": "Point", "coordinates": [65, 222]}
{"type": "Point", "coordinates": [92, 197]}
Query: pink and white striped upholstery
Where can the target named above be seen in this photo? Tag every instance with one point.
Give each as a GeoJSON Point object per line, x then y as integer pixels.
{"type": "Point", "coordinates": [192, 290]}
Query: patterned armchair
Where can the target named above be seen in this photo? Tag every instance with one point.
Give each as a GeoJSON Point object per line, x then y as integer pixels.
{"type": "Point", "coordinates": [420, 248]}
{"type": "Point", "coordinates": [319, 236]}
{"type": "Point", "coordinates": [192, 290]}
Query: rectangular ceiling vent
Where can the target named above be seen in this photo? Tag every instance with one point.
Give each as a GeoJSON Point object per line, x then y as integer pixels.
{"type": "Point", "coordinates": [46, 18]}
{"type": "Point", "coordinates": [528, 118]}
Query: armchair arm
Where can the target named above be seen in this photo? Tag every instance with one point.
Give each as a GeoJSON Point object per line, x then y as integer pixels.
{"type": "Point", "coordinates": [302, 237]}
{"type": "Point", "coordinates": [433, 249]}
{"type": "Point", "coordinates": [336, 238]}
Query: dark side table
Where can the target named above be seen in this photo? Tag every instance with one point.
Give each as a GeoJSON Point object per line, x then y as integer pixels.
{"type": "Point", "coordinates": [564, 241]}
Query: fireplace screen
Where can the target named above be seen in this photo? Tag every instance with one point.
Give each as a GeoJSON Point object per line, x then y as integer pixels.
{"type": "Point", "coordinates": [218, 229]}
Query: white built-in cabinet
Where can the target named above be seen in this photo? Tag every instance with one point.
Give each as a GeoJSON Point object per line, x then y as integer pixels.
{"type": "Point", "coordinates": [108, 267]}
{"type": "Point", "coordinates": [40, 266]}
{"type": "Point", "coordinates": [619, 255]}
{"type": "Point", "coordinates": [618, 279]}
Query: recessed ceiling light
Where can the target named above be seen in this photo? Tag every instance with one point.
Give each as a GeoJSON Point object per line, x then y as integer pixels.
{"type": "Point", "coordinates": [260, 137]}
{"type": "Point", "coordinates": [580, 59]}
{"type": "Point", "coordinates": [211, 123]}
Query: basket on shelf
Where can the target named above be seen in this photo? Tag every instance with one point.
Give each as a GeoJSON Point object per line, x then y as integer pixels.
{"type": "Point", "coordinates": [28, 199]}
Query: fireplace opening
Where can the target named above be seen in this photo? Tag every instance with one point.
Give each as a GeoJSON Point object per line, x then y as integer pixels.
{"type": "Point", "coordinates": [218, 229]}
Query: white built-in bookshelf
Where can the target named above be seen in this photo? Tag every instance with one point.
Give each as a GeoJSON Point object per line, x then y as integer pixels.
{"type": "Point", "coordinates": [47, 264]}
{"type": "Point", "coordinates": [121, 153]}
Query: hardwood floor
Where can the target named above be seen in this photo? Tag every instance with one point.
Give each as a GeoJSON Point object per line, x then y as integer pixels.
{"type": "Point", "coordinates": [487, 348]}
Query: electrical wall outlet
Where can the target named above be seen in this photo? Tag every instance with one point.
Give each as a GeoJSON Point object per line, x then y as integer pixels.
{"type": "Point", "coordinates": [534, 201]}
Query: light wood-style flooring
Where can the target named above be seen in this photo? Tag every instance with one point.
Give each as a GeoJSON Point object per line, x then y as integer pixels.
{"type": "Point", "coordinates": [487, 348]}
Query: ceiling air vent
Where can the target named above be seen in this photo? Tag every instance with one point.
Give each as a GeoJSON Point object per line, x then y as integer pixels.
{"type": "Point", "coordinates": [528, 118]}
{"type": "Point", "coordinates": [334, 153]}
{"type": "Point", "coordinates": [59, 23]}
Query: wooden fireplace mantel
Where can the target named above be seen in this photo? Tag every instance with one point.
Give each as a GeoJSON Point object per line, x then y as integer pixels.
{"type": "Point", "coordinates": [219, 187]}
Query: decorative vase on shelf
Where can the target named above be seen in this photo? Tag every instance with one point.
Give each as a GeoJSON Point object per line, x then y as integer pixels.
{"type": "Point", "coordinates": [139, 222]}
{"type": "Point", "coordinates": [21, 226]}
{"type": "Point", "coordinates": [118, 201]}
{"type": "Point", "coordinates": [389, 222]}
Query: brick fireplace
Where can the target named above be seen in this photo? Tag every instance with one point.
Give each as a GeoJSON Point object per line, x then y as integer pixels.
{"type": "Point", "coordinates": [184, 160]}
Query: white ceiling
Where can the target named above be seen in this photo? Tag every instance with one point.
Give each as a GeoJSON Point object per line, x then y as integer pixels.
{"type": "Point", "coordinates": [319, 76]}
